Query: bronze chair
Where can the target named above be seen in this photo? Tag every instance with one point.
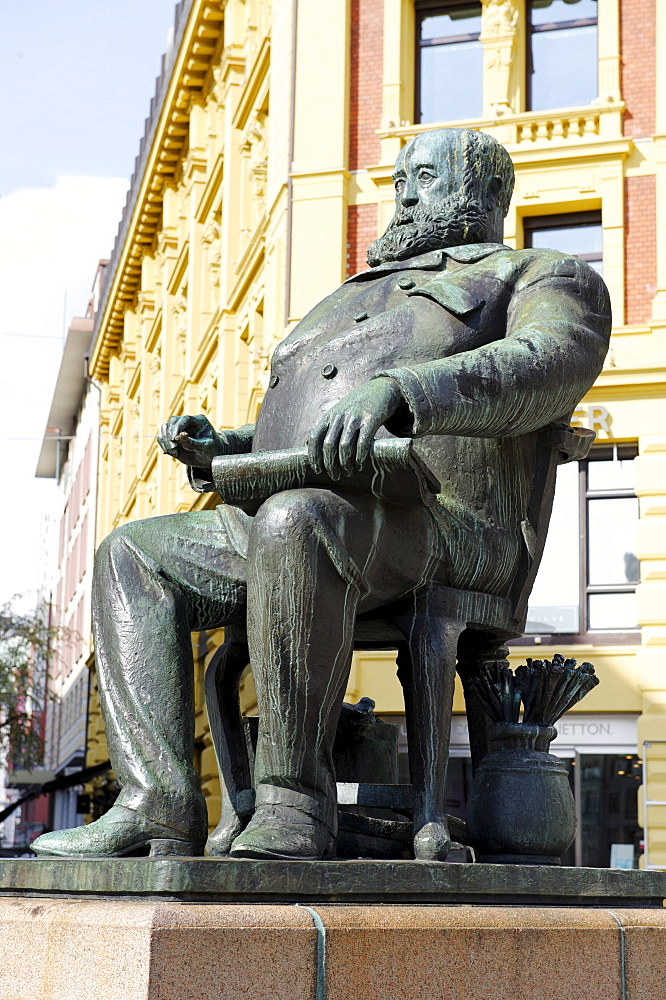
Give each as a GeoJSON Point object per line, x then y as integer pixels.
{"type": "Point", "coordinates": [436, 631]}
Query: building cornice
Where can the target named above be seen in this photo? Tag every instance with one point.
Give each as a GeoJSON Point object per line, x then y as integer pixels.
{"type": "Point", "coordinates": [185, 69]}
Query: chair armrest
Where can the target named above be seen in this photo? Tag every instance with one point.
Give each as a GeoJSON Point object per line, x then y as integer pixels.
{"type": "Point", "coordinates": [572, 443]}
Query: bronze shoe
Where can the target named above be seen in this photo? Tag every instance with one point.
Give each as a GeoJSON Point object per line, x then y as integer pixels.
{"type": "Point", "coordinates": [220, 840]}
{"type": "Point", "coordinates": [284, 833]}
{"type": "Point", "coordinates": [121, 832]}
{"type": "Point", "coordinates": [432, 842]}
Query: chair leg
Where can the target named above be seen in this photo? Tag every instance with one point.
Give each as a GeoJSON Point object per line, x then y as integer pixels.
{"type": "Point", "coordinates": [432, 637]}
{"type": "Point", "coordinates": [406, 678]}
{"type": "Point", "coordinates": [475, 649]}
{"type": "Point", "coordinates": [229, 740]}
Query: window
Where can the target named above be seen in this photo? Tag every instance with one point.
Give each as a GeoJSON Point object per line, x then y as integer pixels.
{"type": "Point", "coordinates": [578, 233]}
{"type": "Point", "coordinates": [589, 571]}
{"type": "Point", "coordinates": [608, 810]}
{"type": "Point", "coordinates": [562, 53]}
{"type": "Point", "coordinates": [449, 61]}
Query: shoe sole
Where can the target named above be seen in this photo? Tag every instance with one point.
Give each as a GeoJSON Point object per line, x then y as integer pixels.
{"type": "Point", "coordinates": [160, 847]}
{"type": "Point", "coordinates": [265, 854]}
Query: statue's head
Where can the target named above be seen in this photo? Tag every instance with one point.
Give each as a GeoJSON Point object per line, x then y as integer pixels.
{"type": "Point", "coordinates": [452, 186]}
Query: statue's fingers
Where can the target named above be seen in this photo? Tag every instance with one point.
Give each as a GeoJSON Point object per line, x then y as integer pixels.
{"type": "Point", "coordinates": [366, 436]}
{"type": "Point", "coordinates": [347, 447]}
{"type": "Point", "coordinates": [165, 442]}
{"type": "Point", "coordinates": [184, 425]}
{"type": "Point", "coordinates": [330, 448]}
{"type": "Point", "coordinates": [315, 444]}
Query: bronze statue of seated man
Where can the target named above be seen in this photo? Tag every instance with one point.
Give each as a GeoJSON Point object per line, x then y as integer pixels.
{"type": "Point", "coordinates": [452, 339]}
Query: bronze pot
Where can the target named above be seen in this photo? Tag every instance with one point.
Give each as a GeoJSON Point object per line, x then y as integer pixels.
{"type": "Point", "coordinates": [521, 808]}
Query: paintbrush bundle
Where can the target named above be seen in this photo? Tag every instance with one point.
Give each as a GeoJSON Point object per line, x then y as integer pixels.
{"type": "Point", "coordinates": [545, 688]}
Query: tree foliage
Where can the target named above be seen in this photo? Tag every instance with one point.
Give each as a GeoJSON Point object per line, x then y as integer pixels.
{"type": "Point", "coordinates": [27, 642]}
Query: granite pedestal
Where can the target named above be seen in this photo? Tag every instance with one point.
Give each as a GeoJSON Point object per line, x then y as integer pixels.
{"type": "Point", "coordinates": [90, 949]}
{"type": "Point", "coordinates": [181, 929]}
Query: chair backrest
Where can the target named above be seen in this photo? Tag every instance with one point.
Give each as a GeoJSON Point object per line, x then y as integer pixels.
{"type": "Point", "coordinates": [505, 617]}
{"type": "Point", "coordinates": [556, 445]}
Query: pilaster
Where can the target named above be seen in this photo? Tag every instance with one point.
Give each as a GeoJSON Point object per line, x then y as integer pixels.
{"type": "Point", "coordinates": [319, 169]}
{"type": "Point", "coordinates": [652, 750]}
{"type": "Point", "coordinates": [650, 663]}
{"type": "Point", "coordinates": [503, 58]}
{"type": "Point", "coordinates": [609, 50]}
{"type": "Point", "coordinates": [651, 491]}
{"type": "Point", "coordinates": [398, 73]}
{"type": "Point", "coordinates": [659, 301]}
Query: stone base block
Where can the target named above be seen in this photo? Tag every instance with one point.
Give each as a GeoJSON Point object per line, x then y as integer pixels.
{"type": "Point", "coordinates": [96, 950]}
{"type": "Point", "coordinates": [125, 950]}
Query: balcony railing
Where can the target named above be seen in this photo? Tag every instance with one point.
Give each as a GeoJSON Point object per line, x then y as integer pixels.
{"type": "Point", "coordinates": [592, 123]}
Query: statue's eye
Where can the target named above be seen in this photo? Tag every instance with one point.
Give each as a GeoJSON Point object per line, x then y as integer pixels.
{"type": "Point", "coordinates": [399, 184]}
{"type": "Point", "coordinates": [425, 175]}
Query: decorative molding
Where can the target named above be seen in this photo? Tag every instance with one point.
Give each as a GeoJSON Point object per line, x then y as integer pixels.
{"type": "Point", "coordinates": [254, 83]}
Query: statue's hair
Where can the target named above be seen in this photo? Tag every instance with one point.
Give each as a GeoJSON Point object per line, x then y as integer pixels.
{"type": "Point", "coordinates": [477, 156]}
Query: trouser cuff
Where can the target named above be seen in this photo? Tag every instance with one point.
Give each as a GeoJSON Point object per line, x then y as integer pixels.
{"type": "Point", "coordinates": [312, 805]}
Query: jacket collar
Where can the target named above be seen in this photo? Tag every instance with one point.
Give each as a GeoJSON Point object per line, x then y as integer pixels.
{"type": "Point", "coordinates": [432, 261]}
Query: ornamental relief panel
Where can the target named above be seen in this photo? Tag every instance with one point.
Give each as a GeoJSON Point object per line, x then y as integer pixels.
{"type": "Point", "coordinates": [180, 331]}
{"type": "Point", "coordinates": [212, 250]}
{"type": "Point", "coordinates": [154, 379]}
{"type": "Point", "coordinates": [254, 155]}
{"type": "Point", "coordinates": [500, 17]}
{"type": "Point", "coordinates": [499, 34]}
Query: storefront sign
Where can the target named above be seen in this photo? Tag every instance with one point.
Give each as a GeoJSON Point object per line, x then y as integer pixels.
{"type": "Point", "coordinates": [602, 733]}
{"type": "Point", "coordinates": [596, 417]}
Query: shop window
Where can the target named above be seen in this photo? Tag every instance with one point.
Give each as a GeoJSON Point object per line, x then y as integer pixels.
{"type": "Point", "coordinates": [577, 233]}
{"type": "Point", "coordinates": [449, 61]}
{"type": "Point", "coordinates": [588, 575]}
{"type": "Point", "coordinates": [607, 800]}
{"type": "Point", "coordinates": [562, 53]}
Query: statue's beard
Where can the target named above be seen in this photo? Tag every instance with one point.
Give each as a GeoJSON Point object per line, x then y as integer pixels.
{"type": "Point", "coordinates": [417, 230]}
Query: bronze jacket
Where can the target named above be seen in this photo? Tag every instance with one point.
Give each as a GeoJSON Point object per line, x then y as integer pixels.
{"type": "Point", "coordinates": [488, 345]}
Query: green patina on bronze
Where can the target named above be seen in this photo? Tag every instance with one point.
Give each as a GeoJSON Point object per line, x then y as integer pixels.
{"type": "Point", "coordinates": [246, 881]}
{"type": "Point", "coordinates": [475, 356]}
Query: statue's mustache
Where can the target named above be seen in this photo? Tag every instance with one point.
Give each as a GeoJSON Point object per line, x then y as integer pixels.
{"type": "Point", "coordinates": [418, 228]}
{"type": "Point", "coordinates": [447, 214]}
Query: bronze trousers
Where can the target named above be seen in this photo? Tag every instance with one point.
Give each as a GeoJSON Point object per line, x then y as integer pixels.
{"type": "Point", "coordinates": [299, 572]}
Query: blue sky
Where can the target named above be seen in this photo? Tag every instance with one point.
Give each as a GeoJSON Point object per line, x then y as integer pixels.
{"type": "Point", "coordinates": [76, 78]}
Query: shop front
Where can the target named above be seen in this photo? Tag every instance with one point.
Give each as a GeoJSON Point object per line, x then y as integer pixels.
{"type": "Point", "coordinates": [604, 770]}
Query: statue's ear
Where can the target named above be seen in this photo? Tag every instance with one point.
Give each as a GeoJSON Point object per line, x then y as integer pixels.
{"type": "Point", "coordinates": [493, 189]}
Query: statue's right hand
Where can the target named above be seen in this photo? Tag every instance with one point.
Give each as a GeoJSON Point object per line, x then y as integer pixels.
{"type": "Point", "coordinates": [192, 440]}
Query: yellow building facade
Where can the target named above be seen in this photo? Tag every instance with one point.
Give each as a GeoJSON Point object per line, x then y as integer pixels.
{"type": "Point", "coordinates": [265, 171]}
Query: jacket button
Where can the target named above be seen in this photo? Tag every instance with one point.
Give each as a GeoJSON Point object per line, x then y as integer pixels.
{"type": "Point", "coordinates": [406, 283]}
{"type": "Point", "coordinates": [329, 371]}
{"type": "Point", "coordinates": [360, 317]}
{"type": "Point", "coordinates": [273, 381]}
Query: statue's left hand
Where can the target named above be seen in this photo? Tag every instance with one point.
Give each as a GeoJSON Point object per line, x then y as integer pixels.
{"type": "Point", "coordinates": [341, 440]}
{"type": "Point", "coordinates": [192, 440]}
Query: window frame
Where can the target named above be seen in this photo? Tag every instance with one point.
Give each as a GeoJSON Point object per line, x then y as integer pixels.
{"type": "Point", "coordinates": [602, 452]}
{"type": "Point", "coordinates": [532, 29]}
{"type": "Point", "coordinates": [426, 8]}
{"type": "Point", "coordinates": [585, 636]}
{"type": "Point", "coordinates": [563, 220]}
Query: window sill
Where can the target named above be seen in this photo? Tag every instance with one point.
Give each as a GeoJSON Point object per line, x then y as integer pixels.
{"type": "Point", "coordinates": [631, 637]}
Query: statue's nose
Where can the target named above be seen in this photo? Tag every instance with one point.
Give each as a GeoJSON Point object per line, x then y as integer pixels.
{"type": "Point", "coordinates": [408, 198]}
